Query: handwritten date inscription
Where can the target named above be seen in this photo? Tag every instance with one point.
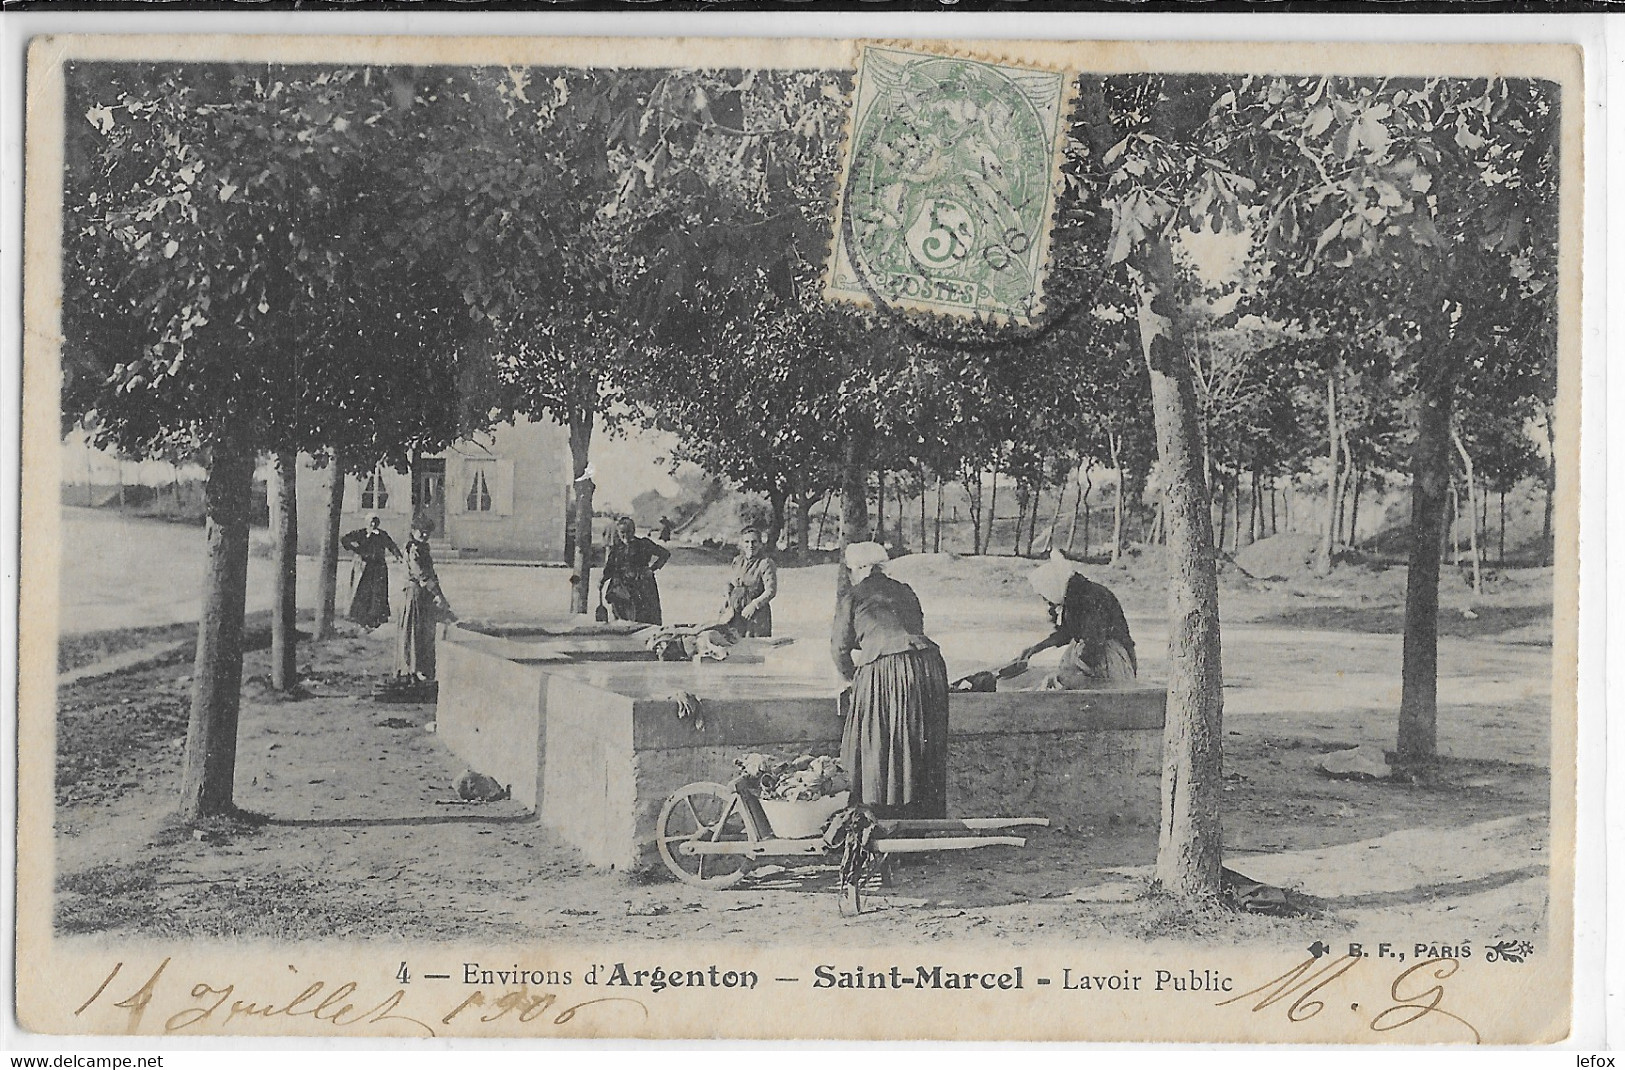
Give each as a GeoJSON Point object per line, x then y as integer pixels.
{"type": "Point", "coordinates": [1417, 993]}
{"type": "Point", "coordinates": [320, 1006]}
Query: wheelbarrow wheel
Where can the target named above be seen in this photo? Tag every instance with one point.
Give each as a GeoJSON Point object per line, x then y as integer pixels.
{"type": "Point", "coordinates": [704, 812]}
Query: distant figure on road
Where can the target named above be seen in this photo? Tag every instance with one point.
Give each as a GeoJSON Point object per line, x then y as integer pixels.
{"type": "Point", "coordinates": [630, 563]}
{"type": "Point", "coordinates": [372, 546]}
{"type": "Point", "coordinates": [666, 527]}
{"type": "Point", "coordinates": [1089, 623]}
{"type": "Point", "coordinates": [423, 608]}
{"type": "Point", "coordinates": [755, 583]}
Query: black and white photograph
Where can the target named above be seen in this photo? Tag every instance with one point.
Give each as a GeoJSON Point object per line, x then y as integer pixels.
{"type": "Point", "coordinates": [574, 536]}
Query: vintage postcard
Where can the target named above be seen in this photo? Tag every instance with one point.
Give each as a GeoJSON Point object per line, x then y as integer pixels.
{"type": "Point", "coordinates": [898, 539]}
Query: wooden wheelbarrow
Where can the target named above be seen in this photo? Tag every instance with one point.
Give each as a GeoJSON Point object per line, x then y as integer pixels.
{"type": "Point", "coordinates": [711, 835]}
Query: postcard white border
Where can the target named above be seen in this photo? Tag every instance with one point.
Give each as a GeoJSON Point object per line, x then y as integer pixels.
{"type": "Point", "coordinates": [1596, 948]}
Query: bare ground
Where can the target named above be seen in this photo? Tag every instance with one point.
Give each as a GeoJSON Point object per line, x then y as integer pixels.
{"type": "Point", "coordinates": [354, 840]}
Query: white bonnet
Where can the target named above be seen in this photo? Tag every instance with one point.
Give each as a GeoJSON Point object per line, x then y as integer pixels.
{"type": "Point", "coordinates": [1051, 578]}
{"type": "Point", "coordinates": [864, 554]}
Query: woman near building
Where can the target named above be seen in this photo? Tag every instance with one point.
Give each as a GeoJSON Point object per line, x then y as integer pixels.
{"type": "Point", "coordinates": [372, 546]}
{"type": "Point", "coordinates": [630, 564]}
{"type": "Point", "coordinates": [422, 609]}
{"type": "Point", "coordinates": [754, 584]}
{"type": "Point", "coordinates": [894, 743]}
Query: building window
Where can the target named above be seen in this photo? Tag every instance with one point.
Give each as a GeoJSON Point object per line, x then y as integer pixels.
{"type": "Point", "coordinates": [374, 494]}
{"type": "Point", "coordinates": [479, 493]}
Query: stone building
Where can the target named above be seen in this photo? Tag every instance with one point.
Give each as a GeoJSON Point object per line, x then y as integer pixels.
{"type": "Point", "coordinates": [497, 496]}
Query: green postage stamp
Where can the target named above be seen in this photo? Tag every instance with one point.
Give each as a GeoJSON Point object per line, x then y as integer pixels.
{"type": "Point", "coordinates": [948, 185]}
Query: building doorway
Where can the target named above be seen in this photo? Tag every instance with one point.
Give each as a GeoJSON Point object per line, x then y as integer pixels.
{"type": "Point", "coordinates": [429, 492]}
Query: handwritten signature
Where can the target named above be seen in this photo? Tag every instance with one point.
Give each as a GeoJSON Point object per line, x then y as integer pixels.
{"type": "Point", "coordinates": [1416, 993]}
{"type": "Point", "coordinates": [334, 1006]}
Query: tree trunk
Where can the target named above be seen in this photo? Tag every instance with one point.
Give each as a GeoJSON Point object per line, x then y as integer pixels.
{"type": "Point", "coordinates": [285, 571]}
{"type": "Point", "coordinates": [1190, 842]}
{"type": "Point", "coordinates": [1255, 511]}
{"type": "Point", "coordinates": [1472, 511]}
{"type": "Point", "coordinates": [1455, 524]}
{"type": "Point", "coordinates": [1323, 566]}
{"type": "Point", "coordinates": [1235, 510]}
{"type": "Point", "coordinates": [1501, 548]}
{"type": "Point", "coordinates": [1035, 501]}
{"type": "Point", "coordinates": [1054, 521]}
{"type": "Point", "coordinates": [925, 536]}
{"type": "Point", "coordinates": [900, 528]}
{"type": "Point", "coordinates": [327, 571]}
{"type": "Point", "coordinates": [1354, 509]}
{"type": "Point", "coordinates": [776, 499]}
{"type": "Point", "coordinates": [1026, 522]}
{"type": "Point", "coordinates": [1117, 517]}
{"type": "Point", "coordinates": [1087, 518]}
{"type": "Point", "coordinates": [1077, 507]}
{"type": "Point", "coordinates": [795, 523]}
{"type": "Point", "coordinates": [936, 533]}
{"type": "Point", "coordinates": [880, 505]}
{"type": "Point", "coordinates": [217, 670]}
{"type": "Point", "coordinates": [1546, 543]}
{"type": "Point", "coordinates": [1022, 498]}
{"type": "Point", "coordinates": [829, 499]}
{"type": "Point", "coordinates": [854, 502]}
{"type": "Point", "coordinates": [992, 514]}
{"type": "Point", "coordinates": [973, 495]}
{"type": "Point", "coordinates": [583, 487]}
{"type": "Point", "coordinates": [1430, 488]}
{"type": "Point", "coordinates": [804, 531]}
{"type": "Point", "coordinates": [1345, 485]}
{"type": "Point", "coordinates": [414, 460]}
{"type": "Point", "coordinates": [1341, 511]}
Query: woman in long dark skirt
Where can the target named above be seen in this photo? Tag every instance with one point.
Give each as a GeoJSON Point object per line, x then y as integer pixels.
{"type": "Point", "coordinates": [369, 607]}
{"type": "Point", "coordinates": [421, 610]}
{"type": "Point", "coordinates": [630, 563]}
{"type": "Point", "coordinates": [894, 743]}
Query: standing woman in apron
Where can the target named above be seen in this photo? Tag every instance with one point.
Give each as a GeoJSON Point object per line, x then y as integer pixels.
{"type": "Point", "coordinates": [894, 743]}
{"type": "Point", "coordinates": [754, 585]}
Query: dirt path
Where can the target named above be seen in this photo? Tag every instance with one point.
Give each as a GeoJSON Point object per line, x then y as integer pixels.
{"type": "Point", "coordinates": [358, 844]}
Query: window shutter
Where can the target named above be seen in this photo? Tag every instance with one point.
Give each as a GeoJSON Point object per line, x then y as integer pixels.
{"type": "Point", "coordinates": [501, 475]}
{"type": "Point", "coordinates": [398, 486]}
{"type": "Point", "coordinates": [458, 472]}
{"type": "Point", "coordinates": [353, 486]}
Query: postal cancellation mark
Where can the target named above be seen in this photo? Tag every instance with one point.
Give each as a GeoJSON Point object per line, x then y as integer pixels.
{"type": "Point", "coordinates": [948, 185]}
